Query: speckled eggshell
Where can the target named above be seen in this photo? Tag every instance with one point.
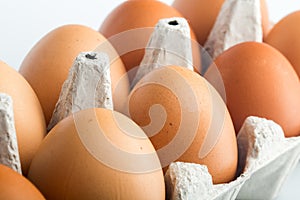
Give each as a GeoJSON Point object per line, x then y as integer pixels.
{"type": "Point", "coordinates": [202, 15]}
{"type": "Point", "coordinates": [259, 81]}
{"type": "Point", "coordinates": [186, 120]}
{"type": "Point", "coordinates": [124, 28]}
{"type": "Point", "coordinates": [15, 186]}
{"type": "Point", "coordinates": [97, 154]}
{"type": "Point", "coordinates": [284, 36]}
{"type": "Point", "coordinates": [28, 115]}
{"type": "Point", "coordinates": [47, 65]}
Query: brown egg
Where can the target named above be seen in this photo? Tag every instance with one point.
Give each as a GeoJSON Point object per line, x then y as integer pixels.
{"type": "Point", "coordinates": [129, 26]}
{"type": "Point", "coordinates": [15, 187]}
{"type": "Point", "coordinates": [47, 64]}
{"type": "Point", "coordinates": [186, 120]}
{"type": "Point", "coordinates": [28, 114]}
{"type": "Point", "coordinates": [259, 81]}
{"type": "Point", "coordinates": [97, 154]}
{"type": "Point", "coordinates": [202, 15]}
{"type": "Point", "coordinates": [284, 36]}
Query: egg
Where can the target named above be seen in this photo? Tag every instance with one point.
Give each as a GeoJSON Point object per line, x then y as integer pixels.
{"type": "Point", "coordinates": [186, 120]}
{"type": "Point", "coordinates": [47, 65]}
{"type": "Point", "coordinates": [258, 80]}
{"type": "Point", "coordinates": [284, 36]}
{"type": "Point", "coordinates": [202, 15]}
{"type": "Point", "coordinates": [28, 115]}
{"type": "Point", "coordinates": [97, 154]}
{"type": "Point", "coordinates": [15, 186]}
{"type": "Point", "coordinates": [130, 25]}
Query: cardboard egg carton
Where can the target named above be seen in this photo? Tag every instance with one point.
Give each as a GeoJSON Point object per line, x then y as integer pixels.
{"type": "Point", "coordinates": [266, 159]}
{"type": "Point", "coordinates": [9, 149]}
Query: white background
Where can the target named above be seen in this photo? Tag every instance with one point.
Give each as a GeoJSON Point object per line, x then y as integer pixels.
{"type": "Point", "coordinates": [23, 23]}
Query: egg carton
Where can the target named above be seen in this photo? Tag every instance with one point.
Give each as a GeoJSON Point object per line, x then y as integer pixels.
{"type": "Point", "coordinates": [266, 159]}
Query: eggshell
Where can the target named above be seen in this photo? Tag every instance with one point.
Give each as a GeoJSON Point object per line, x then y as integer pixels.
{"type": "Point", "coordinates": [28, 114]}
{"type": "Point", "coordinates": [186, 120]}
{"type": "Point", "coordinates": [284, 36]}
{"type": "Point", "coordinates": [97, 154]}
{"type": "Point", "coordinates": [47, 65]}
{"type": "Point", "coordinates": [202, 15]}
{"type": "Point", "coordinates": [15, 187]}
{"type": "Point", "coordinates": [259, 81]}
{"type": "Point", "coordinates": [129, 26]}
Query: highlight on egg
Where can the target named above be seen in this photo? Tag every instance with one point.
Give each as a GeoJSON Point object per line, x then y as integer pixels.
{"type": "Point", "coordinates": [28, 114]}
{"type": "Point", "coordinates": [129, 26]}
{"type": "Point", "coordinates": [47, 64]}
{"type": "Point", "coordinates": [186, 120]}
{"type": "Point", "coordinates": [259, 81]}
{"type": "Point", "coordinates": [202, 15]}
{"type": "Point", "coordinates": [97, 154]}
{"type": "Point", "coordinates": [284, 36]}
{"type": "Point", "coordinates": [15, 186]}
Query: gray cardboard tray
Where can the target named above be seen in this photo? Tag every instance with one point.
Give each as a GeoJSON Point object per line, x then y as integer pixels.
{"type": "Point", "coordinates": [266, 159]}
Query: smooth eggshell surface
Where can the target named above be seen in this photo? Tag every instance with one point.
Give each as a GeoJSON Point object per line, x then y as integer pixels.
{"type": "Point", "coordinates": [28, 115]}
{"type": "Point", "coordinates": [202, 15]}
{"type": "Point", "coordinates": [284, 36]}
{"type": "Point", "coordinates": [47, 65]}
{"type": "Point", "coordinates": [97, 154]}
{"type": "Point", "coordinates": [258, 81]}
{"type": "Point", "coordinates": [186, 120]}
{"type": "Point", "coordinates": [15, 187]}
{"type": "Point", "coordinates": [129, 26]}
